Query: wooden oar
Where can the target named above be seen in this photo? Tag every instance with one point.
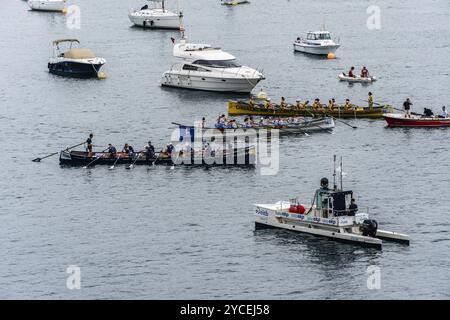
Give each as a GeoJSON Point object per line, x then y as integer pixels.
{"type": "Point", "coordinates": [153, 163]}
{"type": "Point", "coordinates": [335, 119]}
{"type": "Point", "coordinates": [85, 167]}
{"type": "Point", "coordinates": [52, 154]}
{"type": "Point", "coordinates": [114, 164]}
{"type": "Point", "coordinates": [137, 157]}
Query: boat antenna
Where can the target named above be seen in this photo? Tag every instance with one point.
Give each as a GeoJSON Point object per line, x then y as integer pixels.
{"type": "Point", "coordinates": [163, 6]}
{"type": "Point", "coordinates": [334, 172]}
{"type": "Point", "coordinates": [341, 175]}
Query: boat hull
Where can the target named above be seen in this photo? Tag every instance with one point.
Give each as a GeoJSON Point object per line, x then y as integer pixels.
{"type": "Point", "coordinates": [321, 50]}
{"type": "Point", "coordinates": [155, 22]}
{"type": "Point", "coordinates": [75, 69]}
{"type": "Point", "coordinates": [398, 120]}
{"type": "Point", "coordinates": [264, 218]}
{"type": "Point", "coordinates": [234, 2]}
{"type": "Point", "coordinates": [241, 108]}
{"type": "Point", "coordinates": [43, 5]}
{"type": "Point", "coordinates": [244, 157]}
{"type": "Point", "coordinates": [205, 83]}
{"type": "Point", "coordinates": [359, 79]}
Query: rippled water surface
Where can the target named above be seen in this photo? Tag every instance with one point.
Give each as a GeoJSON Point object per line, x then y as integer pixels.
{"type": "Point", "coordinates": [189, 232]}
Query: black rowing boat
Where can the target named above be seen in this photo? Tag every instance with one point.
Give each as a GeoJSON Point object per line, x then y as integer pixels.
{"type": "Point", "coordinates": [241, 156]}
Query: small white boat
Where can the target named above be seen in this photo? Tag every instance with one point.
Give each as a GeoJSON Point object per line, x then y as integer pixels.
{"type": "Point", "coordinates": [316, 42]}
{"type": "Point", "coordinates": [157, 17]}
{"type": "Point", "coordinates": [210, 69]}
{"type": "Point", "coordinates": [47, 5]}
{"type": "Point", "coordinates": [345, 77]}
{"type": "Point", "coordinates": [329, 216]}
{"type": "Point", "coordinates": [234, 2]}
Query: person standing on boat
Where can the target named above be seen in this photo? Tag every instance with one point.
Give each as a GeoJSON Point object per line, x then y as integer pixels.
{"type": "Point", "coordinates": [89, 144]}
{"type": "Point", "coordinates": [352, 208]}
{"type": "Point", "coordinates": [370, 100]}
{"type": "Point", "coordinates": [364, 72]}
{"type": "Point", "coordinates": [112, 150]}
{"type": "Point", "coordinates": [407, 108]}
{"type": "Point", "coordinates": [350, 72]}
{"type": "Point", "coordinates": [444, 113]}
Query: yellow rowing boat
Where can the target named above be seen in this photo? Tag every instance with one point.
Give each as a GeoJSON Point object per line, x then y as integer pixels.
{"type": "Point", "coordinates": [241, 108]}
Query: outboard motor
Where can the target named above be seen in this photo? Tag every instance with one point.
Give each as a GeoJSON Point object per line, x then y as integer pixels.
{"type": "Point", "coordinates": [369, 228]}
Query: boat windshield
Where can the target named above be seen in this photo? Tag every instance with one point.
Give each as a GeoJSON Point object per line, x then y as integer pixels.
{"type": "Point", "coordinates": [218, 63]}
{"type": "Point", "coordinates": [318, 36]}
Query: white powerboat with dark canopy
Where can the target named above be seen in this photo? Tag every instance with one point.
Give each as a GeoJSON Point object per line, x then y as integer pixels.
{"type": "Point", "coordinates": [75, 62]}
{"type": "Point", "coordinates": [157, 17]}
{"type": "Point", "coordinates": [207, 68]}
{"type": "Point", "coordinates": [333, 214]}
{"type": "Point", "coordinates": [47, 5]}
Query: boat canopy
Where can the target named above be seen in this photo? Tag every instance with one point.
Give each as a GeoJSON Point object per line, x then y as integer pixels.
{"type": "Point", "coordinates": [79, 53]}
{"type": "Point", "coordinates": [56, 42]}
{"type": "Point", "coordinates": [318, 35]}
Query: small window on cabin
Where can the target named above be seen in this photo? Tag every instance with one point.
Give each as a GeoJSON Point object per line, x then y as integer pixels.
{"type": "Point", "coordinates": [190, 67]}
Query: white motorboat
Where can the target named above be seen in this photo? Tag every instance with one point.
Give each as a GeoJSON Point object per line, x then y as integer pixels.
{"type": "Point", "coordinates": [75, 62]}
{"type": "Point", "coordinates": [210, 69]}
{"type": "Point", "coordinates": [330, 215]}
{"type": "Point", "coordinates": [156, 16]}
{"type": "Point", "coordinates": [47, 5]}
{"type": "Point", "coordinates": [345, 77]}
{"type": "Point", "coordinates": [234, 2]}
{"type": "Point", "coordinates": [316, 42]}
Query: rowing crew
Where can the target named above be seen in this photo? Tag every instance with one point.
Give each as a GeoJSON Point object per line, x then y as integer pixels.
{"type": "Point", "coordinates": [265, 103]}
{"type": "Point", "coordinates": [128, 151]}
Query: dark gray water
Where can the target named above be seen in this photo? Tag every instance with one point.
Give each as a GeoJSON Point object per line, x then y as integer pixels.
{"type": "Point", "coordinates": [188, 232]}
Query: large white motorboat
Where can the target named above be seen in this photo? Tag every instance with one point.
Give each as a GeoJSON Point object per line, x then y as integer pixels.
{"type": "Point", "coordinates": [74, 62]}
{"type": "Point", "coordinates": [47, 5]}
{"type": "Point", "coordinates": [316, 42]}
{"type": "Point", "coordinates": [156, 16]}
{"type": "Point", "coordinates": [333, 214]}
{"type": "Point", "coordinates": [210, 69]}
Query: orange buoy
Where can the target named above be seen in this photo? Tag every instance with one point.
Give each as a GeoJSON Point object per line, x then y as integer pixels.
{"type": "Point", "coordinates": [331, 55]}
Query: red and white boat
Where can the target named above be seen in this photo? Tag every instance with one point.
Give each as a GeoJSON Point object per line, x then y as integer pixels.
{"type": "Point", "coordinates": [399, 120]}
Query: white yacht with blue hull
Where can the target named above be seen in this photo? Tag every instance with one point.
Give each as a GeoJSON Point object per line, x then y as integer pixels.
{"type": "Point", "coordinates": [333, 214]}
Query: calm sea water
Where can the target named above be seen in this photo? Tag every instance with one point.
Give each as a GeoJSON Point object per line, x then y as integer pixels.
{"type": "Point", "coordinates": [189, 232]}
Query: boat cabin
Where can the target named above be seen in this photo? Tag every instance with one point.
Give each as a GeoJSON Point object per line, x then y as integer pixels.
{"type": "Point", "coordinates": [318, 35]}
{"type": "Point", "coordinates": [333, 203]}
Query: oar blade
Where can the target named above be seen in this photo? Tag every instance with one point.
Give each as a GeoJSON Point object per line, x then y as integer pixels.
{"type": "Point", "coordinates": [36, 160]}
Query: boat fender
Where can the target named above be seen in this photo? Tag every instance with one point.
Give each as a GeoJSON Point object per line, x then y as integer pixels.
{"type": "Point", "coordinates": [293, 208]}
{"type": "Point", "coordinates": [300, 209]}
{"type": "Point", "coordinates": [369, 228]}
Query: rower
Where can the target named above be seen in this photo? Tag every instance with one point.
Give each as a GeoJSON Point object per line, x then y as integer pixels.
{"type": "Point", "coordinates": [330, 105]}
{"type": "Point", "coordinates": [364, 72]}
{"type": "Point", "coordinates": [335, 106]}
{"type": "Point", "coordinates": [298, 105]}
{"type": "Point", "coordinates": [444, 113]}
{"type": "Point", "coordinates": [170, 148]}
{"type": "Point", "coordinates": [269, 104]}
{"type": "Point", "coordinates": [203, 122]}
{"type": "Point", "coordinates": [370, 100]}
{"type": "Point", "coordinates": [350, 72]}
{"type": "Point", "coordinates": [348, 105]}
{"type": "Point", "coordinates": [149, 151]}
{"type": "Point", "coordinates": [262, 95]}
{"type": "Point", "coordinates": [89, 144]}
{"type": "Point", "coordinates": [305, 105]}
{"type": "Point", "coordinates": [112, 150]}
{"type": "Point", "coordinates": [283, 104]}
{"type": "Point", "coordinates": [407, 108]}
{"type": "Point", "coordinates": [317, 105]}
{"type": "Point", "coordinates": [352, 208]}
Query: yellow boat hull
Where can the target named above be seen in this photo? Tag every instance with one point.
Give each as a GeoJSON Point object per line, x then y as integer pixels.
{"type": "Point", "coordinates": [240, 108]}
